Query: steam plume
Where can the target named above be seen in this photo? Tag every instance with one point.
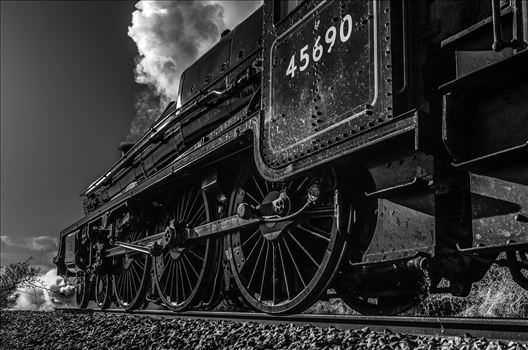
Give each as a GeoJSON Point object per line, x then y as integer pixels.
{"type": "Point", "coordinates": [170, 36]}
{"type": "Point", "coordinates": [49, 292]}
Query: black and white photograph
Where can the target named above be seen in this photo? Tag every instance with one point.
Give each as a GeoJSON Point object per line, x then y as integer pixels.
{"type": "Point", "coordinates": [264, 174]}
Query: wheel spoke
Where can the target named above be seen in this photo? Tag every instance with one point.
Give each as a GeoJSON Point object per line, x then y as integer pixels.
{"type": "Point", "coordinates": [253, 249]}
{"type": "Point", "coordinates": [198, 213]}
{"type": "Point", "coordinates": [256, 264]}
{"type": "Point", "coordinates": [191, 207]}
{"type": "Point", "coordinates": [301, 185]}
{"type": "Point", "coordinates": [294, 262]}
{"type": "Point", "coordinates": [264, 270]}
{"type": "Point", "coordinates": [314, 231]}
{"type": "Point", "coordinates": [321, 212]}
{"type": "Point", "coordinates": [257, 185]}
{"type": "Point", "coordinates": [177, 281]}
{"type": "Point", "coordinates": [128, 287]}
{"type": "Point", "coordinates": [284, 271]}
{"type": "Point", "coordinates": [170, 274]}
{"type": "Point", "coordinates": [255, 201]}
{"type": "Point", "coordinates": [170, 281]}
{"type": "Point", "coordinates": [303, 249]}
{"type": "Point", "coordinates": [191, 265]}
{"type": "Point", "coordinates": [274, 271]}
{"type": "Point", "coordinates": [201, 257]}
{"type": "Point", "coordinates": [255, 234]}
{"type": "Point", "coordinates": [187, 276]}
{"type": "Point", "coordinates": [185, 206]}
{"type": "Point", "coordinates": [136, 274]}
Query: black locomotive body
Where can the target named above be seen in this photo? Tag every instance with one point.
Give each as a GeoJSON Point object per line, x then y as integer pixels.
{"type": "Point", "coordinates": [352, 146]}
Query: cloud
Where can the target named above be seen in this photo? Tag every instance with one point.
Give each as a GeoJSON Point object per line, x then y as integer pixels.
{"type": "Point", "coordinates": [36, 243]}
{"type": "Point", "coordinates": [6, 241]}
{"type": "Point", "coordinates": [41, 248]}
{"type": "Point", "coordinates": [42, 243]}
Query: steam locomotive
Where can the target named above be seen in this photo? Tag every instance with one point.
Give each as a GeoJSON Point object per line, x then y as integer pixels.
{"type": "Point", "coordinates": [374, 151]}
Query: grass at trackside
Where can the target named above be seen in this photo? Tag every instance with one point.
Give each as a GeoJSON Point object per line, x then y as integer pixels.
{"type": "Point", "coordinates": [496, 295]}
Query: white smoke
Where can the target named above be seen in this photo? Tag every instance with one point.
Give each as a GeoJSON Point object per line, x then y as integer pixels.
{"type": "Point", "coordinates": [47, 293]}
{"type": "Point", "coordinates": [170, 36]}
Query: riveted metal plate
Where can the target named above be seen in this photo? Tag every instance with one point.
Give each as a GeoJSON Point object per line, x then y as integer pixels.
{"type": "Point", "coordinates": [327, 77]}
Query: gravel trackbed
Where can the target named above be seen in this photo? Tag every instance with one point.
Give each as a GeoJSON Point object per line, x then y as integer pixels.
{"type": "Point", "coordinates": [51, 330]}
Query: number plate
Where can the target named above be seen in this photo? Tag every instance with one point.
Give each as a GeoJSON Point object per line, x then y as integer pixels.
{"type": "Point", "coordinates": [323, 74]}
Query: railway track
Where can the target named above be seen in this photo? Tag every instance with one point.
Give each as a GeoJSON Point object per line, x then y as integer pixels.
{"type": "Point", "coordinates": [490, 328]}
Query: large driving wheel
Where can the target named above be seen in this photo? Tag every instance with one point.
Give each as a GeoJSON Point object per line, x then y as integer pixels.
{"type": "Point", "coordinates": [187, 275]}
{"type": "Point", "coordinates": [132, 280]}
{"type": "Point", "coordinates": [103, 290]}
{"type": "Point", "coordinates": [283, 267]}
{"type": "Point", "coordinates": [82, 290]}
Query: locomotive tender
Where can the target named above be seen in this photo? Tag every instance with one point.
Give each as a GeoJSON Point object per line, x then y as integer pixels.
{"type": "Point", "coordinates": [346, 148]}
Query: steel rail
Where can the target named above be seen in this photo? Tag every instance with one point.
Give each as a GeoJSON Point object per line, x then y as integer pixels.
{"type": "Point", "coordinates": [490, 328]}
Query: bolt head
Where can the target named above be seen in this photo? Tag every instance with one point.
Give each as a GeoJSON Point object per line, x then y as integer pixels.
{"type": "Point", "coordinates": [314, 192]}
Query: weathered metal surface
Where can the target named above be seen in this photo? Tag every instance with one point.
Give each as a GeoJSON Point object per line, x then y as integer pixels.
{"type": "Point", "coordinates": [401, 230]}
{"type": "Point", "coordinates": [327, 78]}
{"type": "Point", "coordinates": [69, 247]}
{"type": "Point", "coordinates": [221, 226]}
{"type": "Point", "coordinates": [499, 208]}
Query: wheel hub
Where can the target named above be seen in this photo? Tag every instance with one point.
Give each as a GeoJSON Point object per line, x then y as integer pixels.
{"type": "Point", "coordinates": [126, 262]}
{"type": "Point", "coordinates": [175, 253]}
{"type": "Point", "coordinates": [274, 203]}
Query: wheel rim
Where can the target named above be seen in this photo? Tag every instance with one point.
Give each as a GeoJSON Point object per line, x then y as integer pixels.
{"type": "Point", "coordinates": [103, 290]}
{"type": "Point", "coordinates": [82, 291]}
{"type": "Point", "coordinates": [183, 275]}
{"type": "Point", "coordinates": [132, 280]}
{"type": "Point", "coordinates": [285, 269]}
{"type": "Point", "coordinates": [519, 273]}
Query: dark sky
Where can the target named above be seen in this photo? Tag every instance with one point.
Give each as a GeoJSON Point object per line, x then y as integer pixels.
{"type": "Point", "coordinates": [67, 90]}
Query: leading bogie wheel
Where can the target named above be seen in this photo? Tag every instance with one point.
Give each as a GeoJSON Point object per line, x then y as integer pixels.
{"type": "Point", "coordinates": [284, 267]}
{"type": "Point", "coordinates": [186, 274]}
